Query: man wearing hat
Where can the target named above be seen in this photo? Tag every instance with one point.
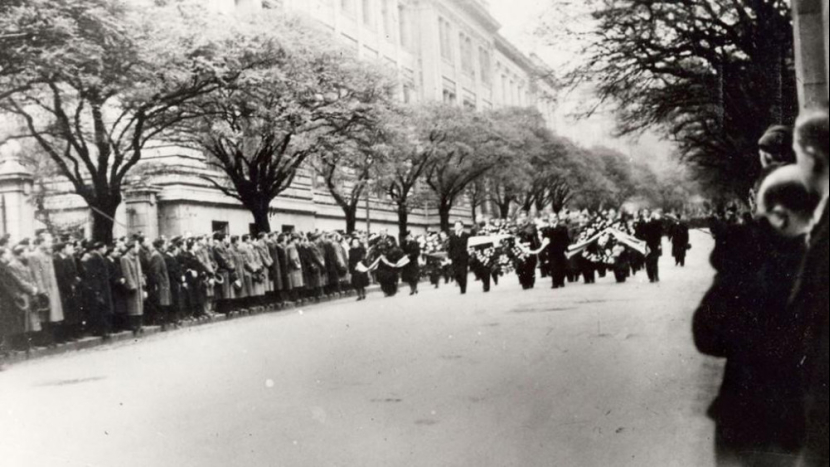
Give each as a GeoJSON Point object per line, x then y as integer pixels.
{"type": "Point", "coordinates": [18, 292]}
{"type": "Point", "coordinates": [776, 147]}
{"type": "Point", "coordinates": [98, 306]}
{"type": "Point", "coordinates": [42, 266]}
{"type": "Point", "coordinates": [226, 269]}
{"type": "Point", "coordinates": [68, 279]}
{"type": "Point", "coordinates": [158, 284]}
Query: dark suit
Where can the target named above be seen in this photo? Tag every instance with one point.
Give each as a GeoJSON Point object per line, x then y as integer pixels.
{"type": "Point", "coordinates": [810, 300]}
{"type": "Point", "coordinates": [460, 257]}
{"type": "Point", "coordinates": [560, 240]}
{"type": "Point", "coordinates": [98, 293]}
{"type": "Point", "coordinates": [680, 242]}
{"type": "Point", "coordinates": [66, 272]}
{"type": "Point", "coordinates": [744, 318]}
{"type": "Point", "coordinates": [653, 236]}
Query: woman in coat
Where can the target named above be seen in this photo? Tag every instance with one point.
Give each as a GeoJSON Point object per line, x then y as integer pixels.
{"type": "Point", "coordinates": [225, 267]}
{"type": "Point", "coordinates": [134, 285]}
{"type": "Point", "coordinates": [42, 266]}
{"type": "Point", "coordinates": [18, 292]}
{"type": "Point", "coordinates": [244, 284]}
{"type": "Point", "coordinates": [360, 280]}
{"type": "Point", "coordinates": [294, 265]}
{"type": "Point", "coordinates": [388, 275]}
{"type": "Point", "coordinates": [254, 267]}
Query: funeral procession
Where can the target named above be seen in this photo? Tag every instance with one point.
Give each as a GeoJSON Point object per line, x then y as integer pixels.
{"type": "Point", "coordinates": [414, 233]}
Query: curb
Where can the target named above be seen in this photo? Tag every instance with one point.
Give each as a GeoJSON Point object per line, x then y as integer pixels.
{"type": "Point", "coordinates": [87, 343]}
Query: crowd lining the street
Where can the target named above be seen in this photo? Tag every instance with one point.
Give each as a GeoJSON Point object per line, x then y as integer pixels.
{"type": "Point", "coordinates": [767, 312]}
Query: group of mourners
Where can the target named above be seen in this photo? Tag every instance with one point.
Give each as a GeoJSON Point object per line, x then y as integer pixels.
{"type": "Point", "coordinates": [53, 292]}
{"type": "Point", "coordinates": [767, 311]}
{"type": "Point", "coordinates": [564, 247]}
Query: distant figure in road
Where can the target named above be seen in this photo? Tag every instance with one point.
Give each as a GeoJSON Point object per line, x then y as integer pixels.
{"type": "Point", "coordinates": [360, 280]}
{"type": "Point", "coordinates": [411, 273]}
{"type": "Point", "coordinates": [653, 236]}
{"type": "Point", "coordinates": [680, 241]}
{"type": "Point", "coordinates": [460, 256]}
{"type": "Point", "coordinates": [744, 318]}
{"type": "Point", "coordinates": [810, 298]}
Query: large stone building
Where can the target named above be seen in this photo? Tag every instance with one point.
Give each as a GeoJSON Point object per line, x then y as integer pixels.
{"type": "Point", "coordinates": [443, 50]}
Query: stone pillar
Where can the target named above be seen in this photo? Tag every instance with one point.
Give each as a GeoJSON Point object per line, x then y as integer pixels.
{"type": "Point", "coordinates": [811, 51]}
{"type": "Point", "coordinates": [17, 215]}
{"type": "Point", "coordinates": [142, 211]}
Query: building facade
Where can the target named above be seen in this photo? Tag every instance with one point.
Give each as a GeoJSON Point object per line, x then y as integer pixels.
{"type": "Point", "coordinates": [442, 50]}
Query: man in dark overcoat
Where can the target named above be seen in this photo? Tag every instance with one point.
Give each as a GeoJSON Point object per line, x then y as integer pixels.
{"type": "Point", "coordinates": [559, 241]}
{"type": "Point", "coordinates": [460, 255]}
{"type": "Point", "coordinates": [810, 298]}
{"type": "Point", "coordinates": [66, 272]}
{"type": "Point", "coordinates": [98, 290]}
{"type": "Point", "coordinates": [680, 242]}
{"type": "Point", "coordinates": [158, 284]}
{"type": "Point", "coordinates": [653, 236]}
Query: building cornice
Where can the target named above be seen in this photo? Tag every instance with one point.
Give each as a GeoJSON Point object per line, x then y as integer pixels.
{"type": "Point", "coordinates": [480, 13]}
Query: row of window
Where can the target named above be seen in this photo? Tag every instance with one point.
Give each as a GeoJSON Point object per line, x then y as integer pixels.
{"type": "Point", "coordinates": [445, 31]}
{"type": "Point", "coordinates": [386, 19]}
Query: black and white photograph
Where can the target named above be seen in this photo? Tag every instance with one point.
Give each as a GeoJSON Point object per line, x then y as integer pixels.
{"type": "Point", "coordinates": [414, 233]}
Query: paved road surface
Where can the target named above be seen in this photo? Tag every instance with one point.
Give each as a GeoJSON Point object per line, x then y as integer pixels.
{"type": "Point", "coordinates": [593, 376]}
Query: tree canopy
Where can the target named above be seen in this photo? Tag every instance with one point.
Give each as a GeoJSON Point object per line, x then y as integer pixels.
{"type": "Point", "coordinates": [712, 75]}
{"type": "Point", "coordinates": [98, 80]}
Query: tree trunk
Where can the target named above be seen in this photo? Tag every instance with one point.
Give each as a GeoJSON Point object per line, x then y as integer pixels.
{"type": "Point", "coordinates": [103, 221]}
{"type": "Point", "coordinates": [351, 218]}
{"type": "Point", "coordinates": [262, 221]}
{"type": "Point", "coordinates": [403, 220]}
{"type": "Point", "coordinates": [504, 210]}
{"type": "Point", "coordinates": [444, 210]}
{"type": "Point", "coordinates": [475, 213]}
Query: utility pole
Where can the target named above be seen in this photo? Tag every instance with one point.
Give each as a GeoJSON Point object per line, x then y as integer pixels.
{"type": "Point", "coordinates": [3, 217]}
{"type": "Point", "coordinates": [368, 214]}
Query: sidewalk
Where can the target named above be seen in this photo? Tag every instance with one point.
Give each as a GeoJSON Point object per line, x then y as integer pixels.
{"type": "Point", "coordinates": [16, 358]}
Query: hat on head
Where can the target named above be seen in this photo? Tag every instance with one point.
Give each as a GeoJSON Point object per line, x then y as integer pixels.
{"type": "Point", "coordinates": [4, 240]}
{"type": "Point", "coordinates": [778, 141]}
{"type": "Point", "coordinates": [25, 242]}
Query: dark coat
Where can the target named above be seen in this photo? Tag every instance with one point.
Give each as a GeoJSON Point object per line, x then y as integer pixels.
{"type": "Point", "coordinates": [411, 274]}
{"type": "Point", "coordinates": [357, 256]}
{"type": "Point", "coordinates": [744, 318]}
{"type": "Point", "coordinates": [652, 233]}
{"type": "Point", "coordinates": [178, 283]}
{"type": "Point", "coordinates": [332, 270]}
{"type": "Point", "coordinates": [66, 272]}
{"type": "Point", "coordinates": [118, 284]}
{"type": "Point", "coordinates": [810, 300]}
{"type": "Point", "coordinates": [458, 248]}
{"type": "Point", "coordinates": [97, 287]}
{"type": "Point", "coordinates": [277, 271]}
{"type": "Point", "coordinates": [680, 239]}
